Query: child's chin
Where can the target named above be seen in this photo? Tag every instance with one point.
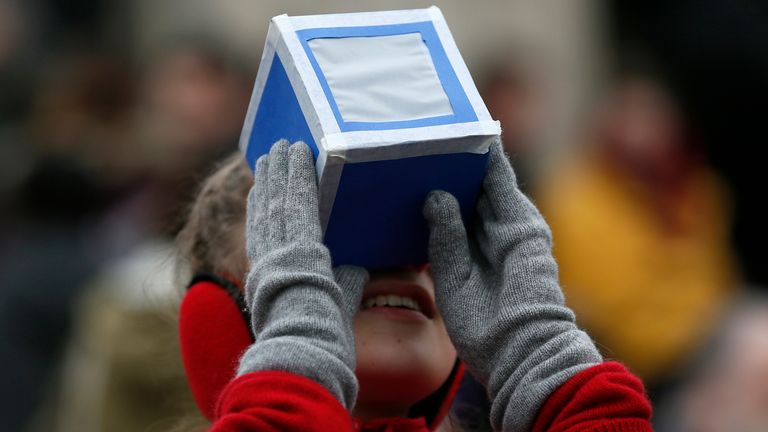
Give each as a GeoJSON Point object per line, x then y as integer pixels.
{"type": "Point", "coordinates": [408, 362]}
{"type": "Point", "coordinates": [395, 383]}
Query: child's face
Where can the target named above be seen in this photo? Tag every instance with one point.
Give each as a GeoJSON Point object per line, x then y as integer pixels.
{"type": "Point", "coordinates": [403, 350]}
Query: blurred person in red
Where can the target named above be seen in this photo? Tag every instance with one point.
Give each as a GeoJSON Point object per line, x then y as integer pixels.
{"type": "Point", "coordinates": [195, 98]}
{"type": "Point", "coordinates": [640, 227]}
{"type": "Point", "coordinates": [191, 103]}
{"type": "Point", "coordinates": [515, 98]}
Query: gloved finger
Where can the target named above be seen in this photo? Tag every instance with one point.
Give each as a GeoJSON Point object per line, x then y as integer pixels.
{"type": "Point", "coordinates": [448, 244]}
{"type": "Point", "coordinates": [258, 203]}
{"type": "Point", "coordinates": [352, 281]}
{"type": "Point", "coordinates": [491, 232]}
{"type": "Point", "coordinates": [301, 202]}
{"type": "Point", "coordinates": [500, 183]}
{"type": "Point", "coordinates": [278, 185]}
{"type": "Point", "coordinates": [497, 227]}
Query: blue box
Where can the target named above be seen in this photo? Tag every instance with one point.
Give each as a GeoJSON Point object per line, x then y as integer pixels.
{"type": "Point", "coordinates": [390, 111]}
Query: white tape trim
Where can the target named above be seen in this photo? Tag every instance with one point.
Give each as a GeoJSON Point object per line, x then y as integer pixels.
{"type": "Point", "coordinates": [328, 184]}
{"type": "Point", "coordinates": [360, 19]}
{"type": "Point", "coordinates": [305, 83]}
{"type": "Point", "coordinates": [467, 144]}
{"type": "Point", "coordinates": [389, 141]}
{"type": "Point", "coordinates": [258, 87]}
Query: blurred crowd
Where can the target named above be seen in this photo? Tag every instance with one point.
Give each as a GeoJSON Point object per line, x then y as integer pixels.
{"type": "Point", "coordinates": [653, 200]}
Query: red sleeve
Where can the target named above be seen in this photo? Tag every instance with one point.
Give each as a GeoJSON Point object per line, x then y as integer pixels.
{"type": "Point", "coordinates": [605, 398]}
{"type": "Point", "coordinates": [278, 401]}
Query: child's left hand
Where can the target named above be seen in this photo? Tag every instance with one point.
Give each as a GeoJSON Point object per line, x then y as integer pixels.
{"type": "Point", "coordinates": [499, 294]}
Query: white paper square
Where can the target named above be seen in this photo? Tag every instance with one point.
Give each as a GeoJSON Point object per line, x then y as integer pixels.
{"type": "Point", "coordinates": [381, 78]}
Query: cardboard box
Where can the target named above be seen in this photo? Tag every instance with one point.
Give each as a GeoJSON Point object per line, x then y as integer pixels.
{"type": "Point", "coordinates": [390, 111]}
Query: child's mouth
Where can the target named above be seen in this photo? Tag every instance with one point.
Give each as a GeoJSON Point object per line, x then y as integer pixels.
{"type": "Point", "coordinates": [392, 300]}
{"type": "Point", "coordinates": [398, 298]}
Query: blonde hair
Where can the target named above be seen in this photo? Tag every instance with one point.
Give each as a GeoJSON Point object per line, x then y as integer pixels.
{"type": "Point", "coordinates": [212, 239]}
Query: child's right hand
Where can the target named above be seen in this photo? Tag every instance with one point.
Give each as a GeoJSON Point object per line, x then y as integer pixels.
{"type": "Point", "coordinates": [499, 294]}
{"type": "Point", "coordinates": [301, 309]}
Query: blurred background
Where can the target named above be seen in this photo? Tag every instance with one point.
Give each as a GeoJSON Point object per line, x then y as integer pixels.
{"type": "Point", "coordinates": [635, 126]}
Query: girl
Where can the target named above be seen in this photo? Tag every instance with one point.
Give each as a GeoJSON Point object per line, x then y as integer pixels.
{"type": "Point", "coordinates": [342, 349]}
{"type": "Point", "coordinates": [396, 350]}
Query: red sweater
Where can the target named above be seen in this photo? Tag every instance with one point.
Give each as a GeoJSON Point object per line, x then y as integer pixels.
{"type": "Point", "coordinates": [603, 398]}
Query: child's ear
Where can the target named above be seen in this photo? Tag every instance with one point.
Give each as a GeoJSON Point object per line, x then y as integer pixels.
{"type": "Point", "coordinates": [213, 333]}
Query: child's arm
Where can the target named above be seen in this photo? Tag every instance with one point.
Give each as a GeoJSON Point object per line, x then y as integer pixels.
{"type": "Point", "coordinates": [499, 293]}
{"type": "Point", "coordinates": [299, 372]}
{"type": "Point", "coordinates": [606, 397]}
{"type": "Point", "coordinates": [273, 401]}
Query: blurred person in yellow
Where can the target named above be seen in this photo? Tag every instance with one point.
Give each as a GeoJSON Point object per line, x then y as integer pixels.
{"type": "Point", "coordinates": [640, 228]}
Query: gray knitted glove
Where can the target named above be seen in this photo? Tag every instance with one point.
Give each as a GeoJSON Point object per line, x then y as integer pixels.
{"type": "Point", "coordinates": [301, 310]}
{"type": "Point", "coordinates": [498, 292]}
